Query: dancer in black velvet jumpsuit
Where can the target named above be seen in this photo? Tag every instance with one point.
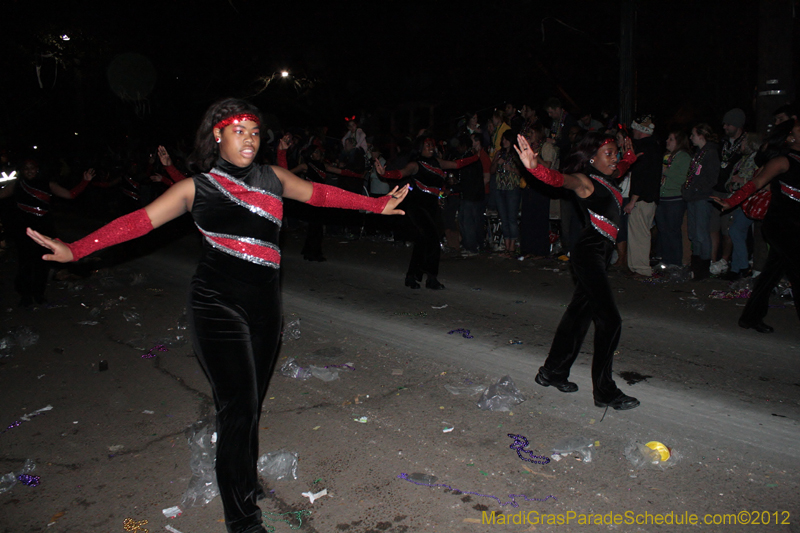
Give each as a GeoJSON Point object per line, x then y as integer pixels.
{"type": "Point", "coordinates": [591, 173]}
{"type": "Point", "coordinates": [781, 224]}
{"type": "Point", "coordinates": [426, 176]}
{"type": "Point", "coordinates": [234, 304]}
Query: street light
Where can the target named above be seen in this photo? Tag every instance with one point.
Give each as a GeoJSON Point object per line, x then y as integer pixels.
{"type": "Point", "coordinates": [284, 74]}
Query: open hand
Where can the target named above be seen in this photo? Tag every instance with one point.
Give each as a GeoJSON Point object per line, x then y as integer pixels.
{"type": "Point", "coordinates": [164, 157]}
{"type": "Point", "coordinates": [397, 195]}
{"type": "Point", "coordinates": [61, 253]}
{"type": "Point", "coordinates": [526, 153]}
{"type": "Point", "coordinates": [720, 202]}
{"type": "Point", "coordinates": [89, 174]}
{"type": "Point", "coordinates": [379, 168]}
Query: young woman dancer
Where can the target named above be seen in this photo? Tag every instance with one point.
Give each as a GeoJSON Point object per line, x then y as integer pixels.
{"type": "Point", "coordinates": [590, 172]}
{"type": "Point", "coordinates": [234, 303]}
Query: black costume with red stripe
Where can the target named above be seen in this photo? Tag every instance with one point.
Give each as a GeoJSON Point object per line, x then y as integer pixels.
{"type": "Point", "coordinates": [593, 299]}
{"type": "Point", "coordinates": [422, 211]}
{"type": "Point", "coordinates": [781, 230]}
{"type": "Point", "coordinates": [235, 307]}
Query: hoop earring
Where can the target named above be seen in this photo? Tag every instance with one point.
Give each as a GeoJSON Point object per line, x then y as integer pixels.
{"type": "Point", "coordinates": [591, 161]}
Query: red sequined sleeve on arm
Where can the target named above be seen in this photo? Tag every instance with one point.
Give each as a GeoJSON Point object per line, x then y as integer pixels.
{"type": "Point", "coordinates": [393, 175]}
{"type": "Point", "coordinates": [283, 162]}
{"type": "Point", "coordinates": [174, 174]}
{"type": "Point", "coordinates": [549, 176]}
{"type": "Point", "coordinates": [627, 160]}
{"type": "Point", "coordinates": [327, 196]}
{"type": "Point", "coordinates": [120, 230]}
{"type": "Point", "coordinates": [76, 190]}
{"type": "Point", "coordinates": [461, 163]}
{"type": "Point", "coordinates": [742, 194]}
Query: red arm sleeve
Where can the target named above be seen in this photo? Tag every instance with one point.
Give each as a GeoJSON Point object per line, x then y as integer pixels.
{"type": "Point", "coordinates": [174, 174]}
{"type": "Point", "coordinates": [327, 196]}
{"type": "Point", "coordinates": [283, 162]}
{"type": "Point", "coordinates": [461, 163]}
{"type": "Point", "coordinates": [393, 175]}
{"type": "Point", "coordinates": [350, 174]}
{"type": "Point", "coordinates": [76, 190]}
{"type": "Point", "coordinates": [120, 230]}
{"type": "Point", "coordinates": [742, 194]}
{"type": "Point", "coordinates": [627, 160]}
{"type": "Point", "coordinates": [548, 176]}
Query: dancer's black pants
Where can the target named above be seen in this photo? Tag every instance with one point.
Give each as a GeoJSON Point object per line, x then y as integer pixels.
{"type": "Point", "coordinates": [783, 258]}
{"type": "Point", "coordinates": [422, 212]}
{"type": "Point", "coordinates": [592, 301]}
{"type": "Point", "coordinates": [236, 333]}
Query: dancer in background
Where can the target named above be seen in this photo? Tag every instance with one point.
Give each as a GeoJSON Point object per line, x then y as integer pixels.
{"type": "Point", "coordinates": [590, 172]}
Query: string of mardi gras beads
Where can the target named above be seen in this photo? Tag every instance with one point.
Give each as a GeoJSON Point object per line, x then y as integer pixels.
{"type": "Point", "coordinates": [520, 443]}
{"type": "Point", "coordinates": [297, 514]}
{"type": "Point", "coordinates": [129, 524]}
{"type": "Point", "coordinates": [512, 502]}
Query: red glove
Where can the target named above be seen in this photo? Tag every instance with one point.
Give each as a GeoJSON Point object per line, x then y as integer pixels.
{"type": "Point", "coordinates": [282, 161]}
{"type": "Point", "coordinates": [627, 160]}
{"type": "Point", "coordinates": [76, 190]}
{"type": "Point", "coordinates": [120, 230]}
{"type": "Point", "coordinates": [461, 163]}
{"type": "Point", "coordinates": [742, 194]}
{"type": "Point", "coordinates": [393, 175]}
{"type": "Point", "coordinates": [350, 174]}
{"type": "Point", "coordinates": [174, 174]}
{"type": "Point", "coordinates": [327, 196]}
{"type": "Point", "coordinates": [548, 176]}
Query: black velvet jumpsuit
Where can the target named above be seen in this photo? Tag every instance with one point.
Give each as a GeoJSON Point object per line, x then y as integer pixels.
{"type": "Point", "coordinates": [422, 211]}
{"type": "Point", "coordinates": [235, 310]}
{"type": "Point", "coordinates": [781, 230]}
{"type": "Point", "coordinates": [593, 300]}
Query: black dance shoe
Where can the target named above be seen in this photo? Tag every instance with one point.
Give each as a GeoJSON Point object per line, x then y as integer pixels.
{"type": "Point", "coordinates": [758, 326]}
{"type": "Point", "coordinates": [563, 386]}
{"type": "Point", "coordinates": [622, 402]}
{"type": "Point", "coordinates": [433, 283]}
{"type": "Point", "coordinates": [411, 283]}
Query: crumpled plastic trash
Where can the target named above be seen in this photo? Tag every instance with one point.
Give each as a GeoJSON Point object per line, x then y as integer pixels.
{"type": "Point", "coordinates": [18, 336]}
{"type": "Point", "coordinates": [673, 273]}
{"type": "Point", "coordinates": [291, 369]}
{"type": "Point", "coordinates": [580, 445]}
{"type": "Point", "coordinates": [501, 396]}
{"type": "Point", "coordinates": [12, 478]}
{"type": "Point", "coordinates": [291, 330]}
{"type": "Point", "coordinates": [325, 374]}
{"type": "Point", "coordinates": [278, 465]}
{"type": "Point", "coordinates": [652, 455]}
{"type": "Point", "coordinates": [203, 487]}
{"type": "Point", "coordinates": [131, 316]}
{"type": "Point", "coordinates": [469, 390]}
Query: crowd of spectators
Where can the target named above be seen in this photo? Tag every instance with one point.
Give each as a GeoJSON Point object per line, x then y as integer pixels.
{"type": "Point", "coordinates": [489, 206]}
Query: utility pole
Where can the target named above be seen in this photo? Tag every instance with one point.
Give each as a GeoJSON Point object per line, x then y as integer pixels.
{"type": "Point", "coordinates": [775, 77]}
{"type": "Point", "coordinates": [626, 62]}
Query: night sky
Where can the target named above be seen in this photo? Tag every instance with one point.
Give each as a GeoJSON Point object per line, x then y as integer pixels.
{"type": "Point", "coordinates": [149, 69]}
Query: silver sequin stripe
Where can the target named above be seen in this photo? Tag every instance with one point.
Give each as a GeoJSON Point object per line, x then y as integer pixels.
{"type": "Point", "coordinates": [608, 186]}
{"type": "Point", "coordinates": [241, 255]}
{"type": "Point", "coordinates": [600, 230]}
{"type": "Point", "coordinates": [795, 196]}
{"type": "Point", "coordinates": [250, 207]}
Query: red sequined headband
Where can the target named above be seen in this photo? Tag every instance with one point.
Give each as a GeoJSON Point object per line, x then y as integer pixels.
{"type": "Point", "coordinates": [607, 140]}
{"type": "Point", "coordinates": [235, 119]}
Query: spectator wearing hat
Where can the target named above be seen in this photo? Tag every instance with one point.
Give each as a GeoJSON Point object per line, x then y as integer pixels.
{"type": "Point", "coordinates": [645, 188]}
{"type": "Point", "coordinates": [730, 154]}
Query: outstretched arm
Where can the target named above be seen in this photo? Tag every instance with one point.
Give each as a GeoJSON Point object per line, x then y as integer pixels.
{"type": "Point", "coordinates": [321, 195]}
{"type": "Point", "coordinates": [71, 194]}
{"type": "Point", "coordinates": [409, 170]}
{"type": "Point", "coordinates": [775, 166]}
{"type": "Point", "coordinates": [173, 203]}
{"type": "Point", "coordinates": [575, 182]}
